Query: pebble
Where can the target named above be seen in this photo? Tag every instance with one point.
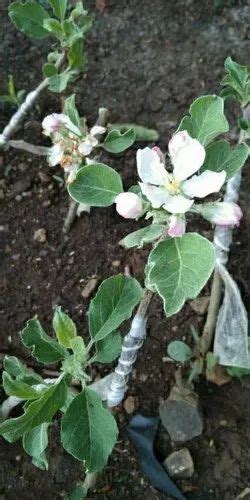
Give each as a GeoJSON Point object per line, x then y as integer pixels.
{"type": "Point", "coordinates": [179, 464]}
{"type": "Point", "coordinates": [89, 287]}
{"type": "Point", "coordinates": [116, 263]}
{"type": "Point", "coordinates": [40, 235]}
{"type": "Point", "coordinates": [44, 178]}
{"type": "Point", "coordinates": [181, 416]}
{"type": "Point", "coordinates": [130, 404]}
{"type": "Point", "coordinates": [46, 203]}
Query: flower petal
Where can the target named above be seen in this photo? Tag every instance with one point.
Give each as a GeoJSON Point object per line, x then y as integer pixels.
{"type": "Point", "coordinates": [187, 155]}
{"type": "Point", "coordinates": [85, 148]}
{"type": "Point", "coordinates": [177, 226]}
{"type": "Point", "coordinates": [150, 168]}
{"type": "Point", "coordinates": [97, 129]}
{"type": "Point", "coordinates": [55, 155]}
{"type": "Point", "coordinates": [156, 195]}
{"type": "Point", "coordinates": [52, 123]}
{"type": "Point", "coordinates": [202, 185]}
{"type": "Point", "coordinates": [178, 204]}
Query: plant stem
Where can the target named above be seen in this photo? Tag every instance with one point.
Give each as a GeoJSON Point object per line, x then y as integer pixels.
{"type": "Point", "coordinates": [24, 109]}
{"type": "Point", "coordinates": [102, 120]}
{"type": "Point", "coordinates": [213, 309]}
{"type": "Point", "coordinates": [70, 217]}
{"type": "Point", "coordinates": [222, 242]}
{"type": "Point", "coordinates": [31, 148]}
{"type": "Point", "coordinates": [131, 344]}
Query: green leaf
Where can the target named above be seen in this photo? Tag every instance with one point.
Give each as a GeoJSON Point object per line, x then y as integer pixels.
{"type": "Point", "coordinates": [196, 369]}
{"type": "Point", "coordinates": [59, 7]}
{"type": "Point", "coordinates": [78, 493]}
{"type": "Point", "coordinates": [108, 349]}
{"type": "Point", "coordinates": [29, 18]}
{"type": "Point", "coordinates": [44, 348]}
{"type": "Point", "coordinates": [89, 431]}
{"type": "Point", "coordinates": [142, 236]}
{"type": "Point", "coordinates": [54, 27]}
{"type": "Point", "coordinates": [76, 57]}
{"type": "Point", "coordinates": [179, 351]}
{"type": "Point", "coordinates": [35, 443]}
{"type": "Point", "coordinates": [39, 411]}
{"type": "Point", "coordinates": [206, 119]}
{"type": "Point", "coordinates": [178, 269]}
{"type": "Point", "coordinates": [114, 302]}
{"type": "Point", "coordinates": [64, 327]}
{"type": "Point", "coordinates": [219, 156]}
{"type": "Point", "coordinates": [18, 388]}
{"type": "Point", "coordinates": [72, 32]}
{"type": "Point", "coordinates": [116, 142]}
{"type": "Point", "coordinates": [235, 371]}
{"type": "Point", "coordinates": [76, 363]}
{"type": "Point", "coordinates": [71, 111]}
{"type": "Point", "coordinates": [41, 462]}
{"type": "Point", "coordinates": [49, 69]}
{"type": "Point", "coordinates": [58, 83]}
{"type": "Point", "coordinates": [96, 185]}
{"type": "Point", "coordinates": [236, 82]}
{"type": "Point", "coordinates": [14, 367]}
{"type": "Point", "coordinates": [211, 361]}
{"type": "Point", "coordinates": [141, 133]}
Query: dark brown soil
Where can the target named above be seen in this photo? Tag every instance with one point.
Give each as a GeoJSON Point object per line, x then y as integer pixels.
{"type": "Point", "coordinates": [147, 61]}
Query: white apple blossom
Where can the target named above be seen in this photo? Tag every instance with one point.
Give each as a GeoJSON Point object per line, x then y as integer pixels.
{"type": "Point", "coordinates": [91, 140]}
{"type": "Point", "coordinates": [53, 123]}
{"type": "Point", "coordinates": [129, 205]}
{"type": "Point", "coordinates": [175, 192]}
{"type": "Point", "coordinates": [222, 213]}
{"type": "Point", "coordinates": [177, 226]}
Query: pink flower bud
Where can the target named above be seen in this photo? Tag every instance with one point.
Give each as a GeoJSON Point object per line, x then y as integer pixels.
{"type": "Point", "coordinates": [129, 205]}
{"type": "Point", "coordinates": [177, 226]}
{"type": "Point", "coordinates": [222, 213]}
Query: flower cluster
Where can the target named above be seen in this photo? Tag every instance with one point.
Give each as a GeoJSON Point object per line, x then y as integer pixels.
{"type": "Point", "coordinates": [175, 192]}
{"type": "Point", "coordinates": [71, 146]}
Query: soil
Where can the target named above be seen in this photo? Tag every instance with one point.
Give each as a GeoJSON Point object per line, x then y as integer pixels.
{"type": "Point", "coordinates": [147, 61]}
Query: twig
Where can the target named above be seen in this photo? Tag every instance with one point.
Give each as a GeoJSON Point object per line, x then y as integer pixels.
{"type": "Point", "coordinates": [24, 109]}
{"type": "Point", "coordinates": [102, 120]}
{"type": "Point", "coordinates": [31, 148]}
{"type": "Point", "coordinates": [222, 242]}
{"type": "Point", "coordinates": [213, 309]}
{"type": "Point", "coordinates": [70, 217]}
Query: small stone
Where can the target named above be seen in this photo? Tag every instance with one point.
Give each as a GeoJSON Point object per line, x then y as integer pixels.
{"type": "Point", "coordinates": [116, 263]}
{"type": "Point", "coordinates": [46, 203]}
{"type": "Point", "coordinates": [143, 377]}
{"type": "Point", "coordinates": [40, 235]}
{"type": "Point", "coordinates": [1, 194]}
{"type": "Point", "coordinates": [200, 305]}
{"type": "Point", "coordinates": [18, 197]}
{"type": "Point", "coordinates": [179, 464]}
{"type": "Point", "coordinates": [89, 287]}
{"type": "Point", "coordinates": [181, 416]}
{"type": "Point", "coordinates": [16, 256]}
{"type": "Point", "coordinates": [130, 404]}
{"type": "Point", "coordinates": [44, 178]}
